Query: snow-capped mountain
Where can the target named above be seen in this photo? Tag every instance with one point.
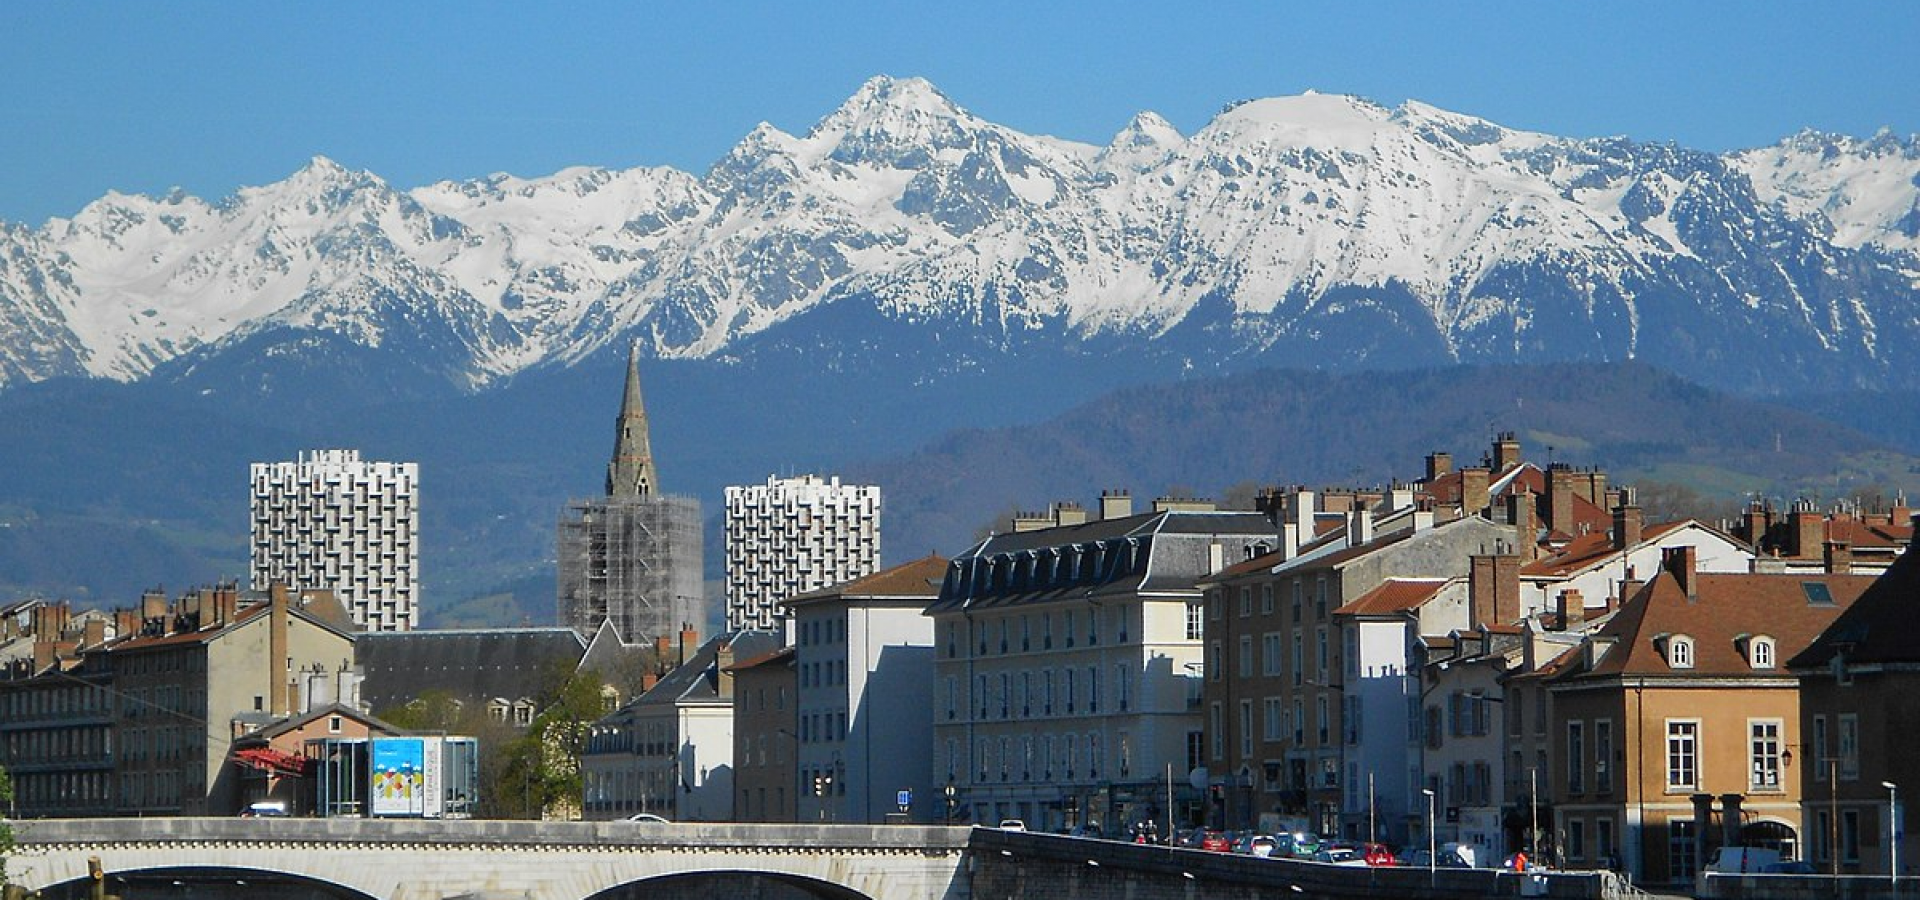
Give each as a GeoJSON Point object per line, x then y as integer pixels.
{"type": "Point", "coordinates": [1311, 230]}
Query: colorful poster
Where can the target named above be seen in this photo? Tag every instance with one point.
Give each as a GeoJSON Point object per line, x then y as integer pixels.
{"type": "Point", "coordinates": [399, 776]}
{"type": "Point", "coordinates": [433, 797]}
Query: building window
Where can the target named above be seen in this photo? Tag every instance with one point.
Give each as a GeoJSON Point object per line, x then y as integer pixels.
{"type": "Point", "coordinates": [1246, 602]}
{"type": "Point", "coordinates": [1298, 591]}
{"type": "Point", "coordinates": [1680, 849]}
{"type": "Point", "coordinates": [1822, 835]}
{"type": "Point", "coordinates": [1760, 652]}
{"type": "Point", "coordinates": [1577, 839]}
{"type": "Point", "coordinates": [1213, 661]}
{"type": "Point", "coordinates": [1246, 729]}
{"type": "Point", "coordinates": [1246, 656]}
{"type": "Point", "coordinates": [1320, 657]}
{"type": "Point", "coordinates": [1820, 756]}
{"type": "Point", "coordinates": [1266, 599]}
{"type": "Point", "coordinates": [1603, 758]}
{"type": "Point", "coordinates": [1683, 755]}
{"type": "Point", "coordinates": [1195, 627]}
{"type": "Point", "coordinates": [1218, 723]}
{"type": "Point", "coordinates": [1680, 652]}
{"type": "Point", "coordinates": [1320, 718]}
{"type": "Point", "coordinates": [1270, 654]}
{"type": "Point", "coordinates": [1576, 758]}
{"type": "Point", "coordinates": [1764, 754]}
{"type": "Point", "coordinates": [1850, 835]}
{"type": "Point", "coordinates": [1195, 740]}
{"type": "Point", "coordinates": [1273, 719]}
{"type": "Point", "coordinates": [1299, 662]}
{"type": "Point", "coordinates": [1849, 746]}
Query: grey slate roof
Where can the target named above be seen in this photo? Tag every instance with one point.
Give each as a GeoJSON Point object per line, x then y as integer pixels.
{"type": "Point", "coordinates": [698, 679]}
{"type": "Point", "coordinates": [469, 664]}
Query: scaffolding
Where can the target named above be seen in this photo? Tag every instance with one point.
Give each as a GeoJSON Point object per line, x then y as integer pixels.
{"type": "Point", "coordinates": [632, 560]}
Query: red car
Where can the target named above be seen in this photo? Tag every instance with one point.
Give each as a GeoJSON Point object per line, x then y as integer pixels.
{"type": "Point", "coordinates": [1216, 841]}
{"type": "Point", "coordinates": [1378, 855]}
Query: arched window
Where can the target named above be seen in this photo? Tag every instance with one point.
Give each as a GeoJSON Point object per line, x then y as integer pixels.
{"type": "Point", "coordinates": [1680, 652]}
{"type": "Point", "coordinates": [1760, 652]}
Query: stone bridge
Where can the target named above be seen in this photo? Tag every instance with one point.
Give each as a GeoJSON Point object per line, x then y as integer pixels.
{"type": "Point", "coordinates": [397, 859]}
{"type": "Point", "coordinates": [384, 859]}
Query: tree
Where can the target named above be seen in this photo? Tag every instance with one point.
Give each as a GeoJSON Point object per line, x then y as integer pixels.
{"type": "Point", "coordinates": [6, 826]}
{"type": "Point", "coordinates": [537, 774]}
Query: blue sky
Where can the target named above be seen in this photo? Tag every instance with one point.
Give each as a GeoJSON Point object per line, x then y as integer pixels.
{"type": "Point", "coordinates": [140, 97]}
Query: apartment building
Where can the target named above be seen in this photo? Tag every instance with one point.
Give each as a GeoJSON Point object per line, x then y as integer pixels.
{"type": "Point", "coordinates": [334, 522]}
{"type": "Point", "coordinates": [794, 535]}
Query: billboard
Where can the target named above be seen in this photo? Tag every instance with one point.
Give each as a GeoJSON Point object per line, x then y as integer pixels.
{"type": "Point", "coordinates": [400, 776]}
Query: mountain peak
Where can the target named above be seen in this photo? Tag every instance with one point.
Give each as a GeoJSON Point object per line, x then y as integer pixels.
{"type": "Point", "coordinates": [1146, 140]}
{"type": "Point", "coordinates": [895, 122]}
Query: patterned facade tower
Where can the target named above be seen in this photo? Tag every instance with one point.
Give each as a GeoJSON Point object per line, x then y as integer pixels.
{"type": "Point", "coordinates": [330, 521]}
{"type": "Point", "coordinates": [632, 557]}
{"type": "Point", "coordinates": [794, 535]}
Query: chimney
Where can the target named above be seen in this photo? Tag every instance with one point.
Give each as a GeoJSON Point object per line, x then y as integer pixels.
{"type": "Point", "coordinates": [1401, 497]}
{"type": "Point", "coordinates": [1809, 530]}
{"type": "Point", "coordinates": [95, 634]}
{"type": "Point", "coordinates": [1839, 557]}
{"type": "Point", "coordinates": [1302, 508]}
{"type": "Point", "coordinates": [1683, 562]}
{"type": "Point", "coordinates": [1506, 451]}
{"type": "Point", "coordinates": [1596, 492]}
{"type": "Point", "coordinates": [1438, 463]}
{"type": "Point", "coordinates": [126, 623]}
{"type": "Point", "coordinates": [1626, 525]}
{"type": "Point", "coordinates": [1493, 590]}
{"type": "Point", "coordinates": [1067, 512]}
{"type": "Point", "coordinates": [1030, 521]}
{"type": "Point", "coordinates": [1359, 527]}
{"type": "Point", "coordinates": [1520, 512]}
{"type": "Point", "coordinates": [1473, 489]}
{"type": "Point", "coordinates": [226, 603]}
{"type": "Point", "coordinates": [153, 605]}
{"type": "Point", "coordinates": [689, 642]}
{"type": "Point", "coordinates": [1901, 512]}
{"type": "Point", "coordinates": [1573, 610]}
{"type": "Point", "coordinates": [1115, 504]}
{"type": "Point", "coordinates": [1560, 499]}
{"type": "Point", "coordinates": [278, 661]}
{"type": "Point", "coordinates": [723, 664]}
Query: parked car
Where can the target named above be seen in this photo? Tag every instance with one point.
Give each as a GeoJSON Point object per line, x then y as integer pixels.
{"type": "Point", "coordinates": [1215, 842]}
{"type": "Point", "coordinates": [648, 817]}
{"type": "Point", "coordinates": [1298, 845]}
{"type": "Point", "coordinates": [1449, 859]}
{"type": "Point", "coordinates": [265, 809]}
{"type": "Point", "coordinates": [1254, 845]}
{"type": "Point", "coordinates": [1377, 854]}
{"type": "Point", "coordinates": [1339, 856]}
{"type": "Point", "coordinates": [1012, 825]}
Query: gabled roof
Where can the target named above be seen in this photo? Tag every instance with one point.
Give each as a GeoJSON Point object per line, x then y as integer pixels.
{"type": "Point", "coordinates": [697, 680]}
{"type": "Point", "coordinates": [918, 581]}
{"type": "Point", "coordinates": [1394, 596]}
{"type": "Point", "coordinates": [294, 723]}
{"type": "Point", "coordinates": [1879, 626]}
{"type": "Point", "coordinates": [782, 657]}
{"type": "Point", "coordinates": [241, 619]}
{"type": "Point", "coordinates": [1596, 547]}
{"type": "Point", "coordinates": [474, 664]}
{"type": "Point", "coordinates": [1792, 609]}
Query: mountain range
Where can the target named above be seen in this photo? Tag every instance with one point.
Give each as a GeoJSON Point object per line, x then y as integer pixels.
{"type": "Point", "coordinates": [910, 294]}
{"type": "Point", "coordinates": [1309, 231]}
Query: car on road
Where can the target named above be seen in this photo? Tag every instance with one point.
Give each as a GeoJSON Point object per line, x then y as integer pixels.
{"type": "Point", "coordinates": [1339, 856]}
{"type": "Point", "coordinates": [1012, 825]}
{"type": "Point", "coordinates": [1216, 842]}
{"type": "Point", "coordinates": [1260, 845]}
{"type": "Point", "coordinates": [648, 817]}
{"type": "Point", "coordinates": [1377, 854]}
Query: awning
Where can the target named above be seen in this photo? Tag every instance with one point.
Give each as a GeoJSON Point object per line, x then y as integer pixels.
{"type": "Point", "coordinates": [267, 759]}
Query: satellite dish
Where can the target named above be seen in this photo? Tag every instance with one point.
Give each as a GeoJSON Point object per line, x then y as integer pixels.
{"type": "Point", "coordinates": [1198, 778]}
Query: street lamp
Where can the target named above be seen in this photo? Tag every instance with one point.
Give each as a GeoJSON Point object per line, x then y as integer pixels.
{"type": "Point", "coordinates": [1432, 842]}
{"type": "Point", "coordinates": [1893, 833]}
{"type": "Point", "coordinates": [950, 793]}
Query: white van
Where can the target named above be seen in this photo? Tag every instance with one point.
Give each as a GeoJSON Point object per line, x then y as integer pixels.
{"type": "Point", "coordinates": [1738, 860]}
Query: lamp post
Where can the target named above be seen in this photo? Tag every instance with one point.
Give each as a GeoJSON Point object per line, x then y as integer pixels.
{"type": "Point", "coordinates": [1433, 845]}
{"type": "Point", "coordinates": [1893, 834]}
{"type": "Point", "coordinates": [950, 792]}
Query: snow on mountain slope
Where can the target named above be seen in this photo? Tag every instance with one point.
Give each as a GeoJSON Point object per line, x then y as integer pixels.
{"type": "Point", "coordinates": [1322, 227]}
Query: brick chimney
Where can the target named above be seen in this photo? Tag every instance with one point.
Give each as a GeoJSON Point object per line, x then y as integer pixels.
{"type": "Point", "coordinates": [1809, 529]}
{"type": "Point", "coordinates": [723, 664]}
{"type": "Point", "coordinates": [1506, 451]}
{"type": "Point", "coordinates": [1683, 562]}
{"type": "Point", "coordinates": [153, 605]}
{"type": "Point", "coordinates": [1839, 557]}
{"type": "Point", "coordinates": [1473, 489]}
{"type": "Point", "coordinates": [1520, 512]}
{"type": "Point", "coordinates": [1560, 499]}
{"type": "Point", "coordinates": [95, 634]}
{"type": "Point", "coordinates": [1596, 492]}
{"type": "Point", "coordinates": [1493, 590]}
{"type": "Point", "coordinates": [1438, 463]}
{"type": "Point", "coordinates": [278, 660]}
{"type": "Point", "coordinates": [689, 642]}
{"type": "Point", "coordinates": [1572, 609]}
{"type": "Point", "coordinates": [126, 622]}
{"type": "Point", "coordinates": [226, 603]}
{"type": "Point", "coordinates": [1627, 525]}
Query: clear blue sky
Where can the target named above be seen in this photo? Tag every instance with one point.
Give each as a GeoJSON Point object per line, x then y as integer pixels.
{"type": "Point", "coordinates": [140, 97]}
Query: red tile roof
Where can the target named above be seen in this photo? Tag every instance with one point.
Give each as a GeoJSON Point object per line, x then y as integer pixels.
{"type": "Point", "coordinates": [920, 578]}
{"type": "Point", "coordinates": [1593, 547]}
{"type": "Point", "coordinates": [1393, 596]}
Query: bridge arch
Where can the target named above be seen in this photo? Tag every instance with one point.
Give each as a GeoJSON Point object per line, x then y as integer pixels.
{"type": "Point", "coordinates": [206, 883]}
{"type": "Point", "coordinates": [730, 884]}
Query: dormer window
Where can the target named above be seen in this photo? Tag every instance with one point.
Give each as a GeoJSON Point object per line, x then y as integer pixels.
{"type": "Point", "coordinates": [1760, 652]}
{"type": "Point", "coordinates": [1679, 652]}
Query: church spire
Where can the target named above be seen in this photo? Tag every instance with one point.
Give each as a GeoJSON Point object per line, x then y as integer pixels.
{"type": "Point", "coordinates": [630, 473]}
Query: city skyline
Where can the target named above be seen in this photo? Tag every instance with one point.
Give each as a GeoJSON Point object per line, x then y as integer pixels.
{"type": "Point", "coordinates": [248, 97]}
